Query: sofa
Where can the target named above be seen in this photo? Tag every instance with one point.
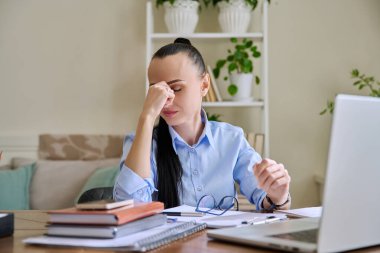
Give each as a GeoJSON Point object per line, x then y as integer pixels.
{"type": "Point", "coordinates": [66, 167]}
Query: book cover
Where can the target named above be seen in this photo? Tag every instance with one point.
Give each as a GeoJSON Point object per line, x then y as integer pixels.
{"type": "Point", "coordinates": [95, 231]}
{"type": "Point", "coordinates": [115, 216]}
{"type": "Point", "coordinates": [214, 84]}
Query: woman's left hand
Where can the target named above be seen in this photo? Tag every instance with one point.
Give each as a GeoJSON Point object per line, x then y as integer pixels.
{"type": "Point", "coordinates": [274, 179]}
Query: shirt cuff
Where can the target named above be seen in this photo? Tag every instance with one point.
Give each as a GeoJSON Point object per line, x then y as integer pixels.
{"type": "Point", "coordinates": [259, 204]}
{"type": "Point", "coordinates": [134, 186]}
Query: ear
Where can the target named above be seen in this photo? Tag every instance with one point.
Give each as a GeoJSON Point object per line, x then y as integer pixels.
{"type": "Point", "coordinates": [205, 84]}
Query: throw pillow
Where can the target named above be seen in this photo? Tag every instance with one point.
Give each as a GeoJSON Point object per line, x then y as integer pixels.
{"type": "Point", "coordinates": [103, 177]}
{"type": "Point", "coordinates": [14, 188]}
{"type": "Point", "coordinates": [56, 184]}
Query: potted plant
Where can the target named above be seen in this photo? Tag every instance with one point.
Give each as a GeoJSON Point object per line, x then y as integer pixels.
{"type": "Point", "coordinates": [234, 15]}
{"type": "Point", "coordinates": [240, 69]}
{"type": "Point", "coordinates": [360, 81]}
{"type": "Point", "coordinates": [181, 16]}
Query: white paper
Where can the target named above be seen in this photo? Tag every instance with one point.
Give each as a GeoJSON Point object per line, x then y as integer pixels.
{"type": "Point", "coordinates": [228, 219]}
{"type": "Point", "coordinates": [3, 215]}
{"type": "Point", "coordinates": [308, 212]}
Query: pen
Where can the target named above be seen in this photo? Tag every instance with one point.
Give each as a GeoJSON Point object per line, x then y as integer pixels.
{"type": "Point", "coordinates": [251, 221]}
{"type": "Point", "coordinates": [269, 219]}
{"type": "Point", "coordinates": [190, 214]}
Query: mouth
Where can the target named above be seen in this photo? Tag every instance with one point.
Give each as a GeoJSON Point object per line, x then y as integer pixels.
{"type": "Point", "coordinates": [169, 114]}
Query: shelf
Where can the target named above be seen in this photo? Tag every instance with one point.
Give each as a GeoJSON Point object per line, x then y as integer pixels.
{"type": "Point", "coordinates": [260, 35]}
{"type": "Point", "coordinates": [206, 35]}
{"type": "Point", "coordinates": [233, 104]}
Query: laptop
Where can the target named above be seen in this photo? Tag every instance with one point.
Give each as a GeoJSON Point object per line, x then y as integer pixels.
{"type": "Point", "coordinates": [351, 205]}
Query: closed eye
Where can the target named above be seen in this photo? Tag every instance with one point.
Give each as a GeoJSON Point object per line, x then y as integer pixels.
{"type": "Point", "coordinates": [176, 89]}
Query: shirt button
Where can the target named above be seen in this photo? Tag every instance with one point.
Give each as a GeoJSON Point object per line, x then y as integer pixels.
{"type": "Point", "coordinates": [139, 191]}
{"type": "Point", "coordinates": [192, 150]}
{"type": "Point", "coordinates": [195, 172]}
{"type": "Point", "coordinates": [199, 188]}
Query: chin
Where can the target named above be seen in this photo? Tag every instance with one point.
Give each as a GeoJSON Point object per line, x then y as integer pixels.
{"type": "Point", "coordinates": [172, 122]}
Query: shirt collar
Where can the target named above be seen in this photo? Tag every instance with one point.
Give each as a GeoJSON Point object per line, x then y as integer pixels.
{"type": "Point", "coordinates": [206, 134]}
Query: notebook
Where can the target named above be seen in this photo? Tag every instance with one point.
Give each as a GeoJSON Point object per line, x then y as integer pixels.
{"type": "Point", "coordinates": [351, 213]}
{"type": "Point", "coordinates": [95, 231]}
{"type": "Point", "coordinates": [142, 241]}
{"type": "Point", "coordinates": [115, 216]}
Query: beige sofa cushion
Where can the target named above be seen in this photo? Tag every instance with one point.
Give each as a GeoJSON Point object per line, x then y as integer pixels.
{"type": "Point", "coordinates": [56, 184]}
{"type": "Point", "coordinates": [79, 146]}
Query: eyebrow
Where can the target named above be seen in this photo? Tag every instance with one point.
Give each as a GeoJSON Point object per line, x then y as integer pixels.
{"type": "Point", "coordinates": [170, 82]}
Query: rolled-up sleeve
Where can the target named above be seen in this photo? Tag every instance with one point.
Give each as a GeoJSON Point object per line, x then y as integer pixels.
{"type": "Point", "coordinates": [128, 184]}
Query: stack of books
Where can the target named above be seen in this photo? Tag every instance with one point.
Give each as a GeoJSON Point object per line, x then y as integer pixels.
{"type": "Point", "coordinates": [107, 223]}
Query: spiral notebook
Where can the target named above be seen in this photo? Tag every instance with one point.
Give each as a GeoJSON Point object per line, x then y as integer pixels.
{"type": "Point", "coordinates": [142, 241]}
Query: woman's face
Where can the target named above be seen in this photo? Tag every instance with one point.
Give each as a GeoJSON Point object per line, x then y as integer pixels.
{"type": "Point", "coordinates": [184, 79]}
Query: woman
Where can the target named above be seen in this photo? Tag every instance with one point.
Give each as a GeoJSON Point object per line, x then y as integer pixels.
{"type": "Point", "coordinates": [186, 156]}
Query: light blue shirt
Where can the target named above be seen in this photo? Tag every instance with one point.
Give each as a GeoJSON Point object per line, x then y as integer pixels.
{"type": "Point", "coordinates": [221, 156]}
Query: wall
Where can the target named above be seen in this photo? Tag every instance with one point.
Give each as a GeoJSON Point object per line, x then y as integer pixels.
{"type": "Point", "coordinates": [79, 67]}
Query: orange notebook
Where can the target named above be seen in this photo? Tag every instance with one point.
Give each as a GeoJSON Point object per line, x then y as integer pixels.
{"type": "Point", "coordinates": [115, 216]}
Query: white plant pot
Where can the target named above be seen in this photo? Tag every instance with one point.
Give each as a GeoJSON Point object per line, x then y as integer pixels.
{"type": "Point", "coordinates": [234, 16]}
{"type": "Point", "coordinates": [182, 16]}
{"type": "Point", "coordinates": [244, 85]}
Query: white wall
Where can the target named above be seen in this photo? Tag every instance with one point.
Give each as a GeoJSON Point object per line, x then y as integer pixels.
{"type": "Point", "coordinates": [79, 67]}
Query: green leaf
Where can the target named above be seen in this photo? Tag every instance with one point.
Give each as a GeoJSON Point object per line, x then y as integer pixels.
{"type": "Point", "coordinates": [357, 82]}
{"type": "Point", "coordinates": [257, 80]}
{"type": "Point", "coordinates": [254, 49]}
{"type": "Point", "coordinates": [232, 89]}
{"type": "Point", "coordinates": [323, 112]}
{"type": "Point", "coordinates": [355, 73]}
{"type": "Point", "coordinates": [213, 117]}
{"type": "Point", "coordinates": [247, 66]}
{"type": "Point", "coordinates": [248, 44]}
{"type": "Point", "coordinates": [240, 47]}
{"type": "Point", "coordinates": [256, 54]}
{"type": "Point", "coordinates": [220, 64]}
{"type": "Point", "coordinates": [232, 67]}
{"type": "Point", "coordinates": [225, 78]}
{"type": "Point", "coordinates": [230, 58]}
{"type": "Point", "coordinates": [239, 55]}
{"type": "Point", "coordinates": [234, 40]}
{"type": "Point", "coordinates": [361, 86]}
{"type": "Point", "coordinates": [216, 72]}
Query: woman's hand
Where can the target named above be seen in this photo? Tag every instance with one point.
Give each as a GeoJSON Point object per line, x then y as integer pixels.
{"type": "Point", "coordinates": [159, 96]}
{"type": "Point", "coordinates": [274, 179]}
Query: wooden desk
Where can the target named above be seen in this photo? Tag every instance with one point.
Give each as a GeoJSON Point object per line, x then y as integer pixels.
{"type": "Point", "coordinates": [32, 223]}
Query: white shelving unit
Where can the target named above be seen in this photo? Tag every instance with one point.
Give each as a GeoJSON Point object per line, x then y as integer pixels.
{"type": "Point", "coordinates": [262, 36]}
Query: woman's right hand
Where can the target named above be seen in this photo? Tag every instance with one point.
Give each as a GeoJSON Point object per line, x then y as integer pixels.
{"type": "Point", "coordinates": [159, 96]}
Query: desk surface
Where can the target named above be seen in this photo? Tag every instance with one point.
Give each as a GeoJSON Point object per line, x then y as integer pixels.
{"type": "Point", "coordinates": [32, 223]}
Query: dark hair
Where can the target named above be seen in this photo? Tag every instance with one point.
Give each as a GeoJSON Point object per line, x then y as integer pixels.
{"type": "Point", "coordinates": [169, 169]}
{"type": "Point", "coordinates": [182, 45]}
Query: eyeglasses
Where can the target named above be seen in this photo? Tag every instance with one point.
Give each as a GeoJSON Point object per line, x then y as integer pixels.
{"type": "Point", "coordinates": [207, 204]}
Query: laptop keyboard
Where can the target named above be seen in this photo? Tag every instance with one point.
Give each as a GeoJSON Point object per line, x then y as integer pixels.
{"type": "Point", "coordinates": [303, 236]}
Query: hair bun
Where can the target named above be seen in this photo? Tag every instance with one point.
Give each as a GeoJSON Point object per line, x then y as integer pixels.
{"type": "Point", "coordinates": [183, 41]}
